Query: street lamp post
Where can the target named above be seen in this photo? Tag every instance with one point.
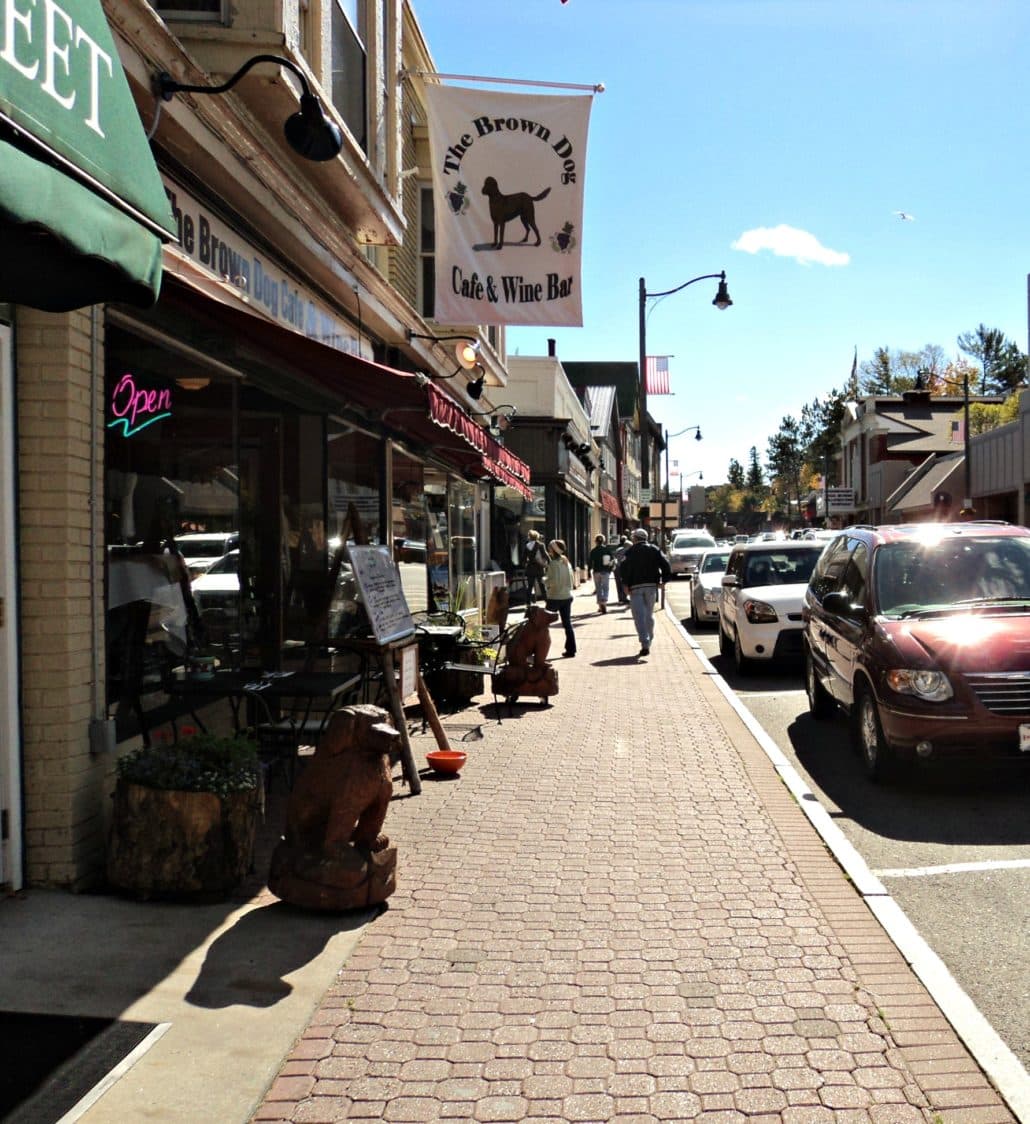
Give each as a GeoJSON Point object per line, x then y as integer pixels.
{"type": "Point", "coordinates": [721, 301]}
{"type": "Point", "coordinates": [668, 437]}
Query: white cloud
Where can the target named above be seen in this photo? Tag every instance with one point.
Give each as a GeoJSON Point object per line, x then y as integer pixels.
{"type": "Point", "coordinates": [789, 242]}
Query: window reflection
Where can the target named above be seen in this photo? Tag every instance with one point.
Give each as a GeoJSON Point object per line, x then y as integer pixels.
{"type": "Point", "coordinates": [410, 524]}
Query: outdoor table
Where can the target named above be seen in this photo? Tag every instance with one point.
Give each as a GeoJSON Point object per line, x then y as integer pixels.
{"type": "Point", "coordinates": [235, 684]}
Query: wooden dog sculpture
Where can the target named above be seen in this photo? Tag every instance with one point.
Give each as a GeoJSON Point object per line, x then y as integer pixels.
{"type": "Point", "coordinates": [333, 855]}
{"type": "Point", "coordinates": [526, 670]}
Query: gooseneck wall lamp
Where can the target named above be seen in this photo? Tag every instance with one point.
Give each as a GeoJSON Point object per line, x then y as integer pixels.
{"type": "Point", "coordinates": [466, 352]}
{"type": "Point", "coordinates": [722, 301]}
{"type": "Point", "coordinates": [308, 132]}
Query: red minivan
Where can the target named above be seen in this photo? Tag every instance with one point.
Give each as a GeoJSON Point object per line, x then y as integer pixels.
{"type": "Point", "coordinates": [921, 633]}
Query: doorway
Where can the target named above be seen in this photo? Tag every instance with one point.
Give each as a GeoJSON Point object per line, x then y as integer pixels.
{"type": "Point", "coordinates": [10, 742]}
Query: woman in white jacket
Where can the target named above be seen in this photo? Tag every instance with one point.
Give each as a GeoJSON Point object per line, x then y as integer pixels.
{"type": "Point", "coordinates": [558, 583]}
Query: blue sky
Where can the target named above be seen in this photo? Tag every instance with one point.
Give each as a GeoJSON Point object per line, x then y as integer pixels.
{"type": "Point", "coordinates": [723, 121]}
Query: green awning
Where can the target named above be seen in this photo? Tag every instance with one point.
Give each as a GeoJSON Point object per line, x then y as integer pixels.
{"type": "Point", "coordinates": [83, 211]}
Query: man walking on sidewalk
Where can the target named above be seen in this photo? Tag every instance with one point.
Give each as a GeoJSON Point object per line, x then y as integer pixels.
{"type": "Point", "coordinates": [644, 569]}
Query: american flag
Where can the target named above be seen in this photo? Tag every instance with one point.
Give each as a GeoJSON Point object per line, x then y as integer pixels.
{"type": "Point", "coordinates": [656, 378]}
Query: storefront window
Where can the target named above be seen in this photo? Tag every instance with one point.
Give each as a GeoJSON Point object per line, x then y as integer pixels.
{"type": "Point", "coordinates": [437, 538]}
{"type": "Point", "coordinates": [508, 530]}
{"type": "Point", "coordinates": [462, 521]}
{"type": "Point", "coordinates": [352, 474]}
{"type": "Point", "coordinates": [410, 524]}
{"type": "Point", "coordinates": [171, 514]}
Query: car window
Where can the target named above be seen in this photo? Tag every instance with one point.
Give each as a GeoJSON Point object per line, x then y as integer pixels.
{"type": "Point", "coordinates": [714, 563]}
{"type": "Point", "coordinates": [856, 574]}
{"type": "Point", "coordinates": [829, 571]}
{"type": "Point", "coordinates": [735, 566]}
{"type": "Point", "coordinates": [914, 576]}
{"type": "Point", "coordinates": [230, 564]}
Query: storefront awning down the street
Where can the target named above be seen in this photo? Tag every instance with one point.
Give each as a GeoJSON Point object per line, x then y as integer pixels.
{"type": "Point", "coordinates": [403, 402]}
{"type": "Point", "coordinates": [83, 212]}
{"type": "Point", "coordinates": [612, 505]}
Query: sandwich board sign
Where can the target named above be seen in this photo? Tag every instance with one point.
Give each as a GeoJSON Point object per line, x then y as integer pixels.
{"type": "Point", "coordinates": [379, 581]}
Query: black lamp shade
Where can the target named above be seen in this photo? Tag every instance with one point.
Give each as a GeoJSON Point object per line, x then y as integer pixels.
{"type": "Point", "coordinates": [310, 133]}
{"type": "Point", "coordinates": [475, 388]}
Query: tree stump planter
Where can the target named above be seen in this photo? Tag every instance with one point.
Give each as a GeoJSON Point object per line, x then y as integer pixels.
{"type": "Point", "coordinates": [167, 843]}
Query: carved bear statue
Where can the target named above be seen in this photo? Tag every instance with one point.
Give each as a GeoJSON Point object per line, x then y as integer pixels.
{"type": "Point", "coordinates": [526, 670]}
{"type": "Point", "coordinates": [333, 855]}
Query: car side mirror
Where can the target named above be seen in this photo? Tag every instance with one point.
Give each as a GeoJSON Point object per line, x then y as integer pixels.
{"type": "Point", "coordinates": [840, 605]}
{"type": "Point", "coordinates": [729, 580]}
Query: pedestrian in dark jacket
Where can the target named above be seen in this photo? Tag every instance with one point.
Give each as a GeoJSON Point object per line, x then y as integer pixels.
{"type": "Point", "coordinates": [601, 563]}
{"type": "Point", "coordinates": [644, 568]}
{"type": "Point", "coordinates": [620, 553]}
{"type": "Point", "coordinates": [535, 564]}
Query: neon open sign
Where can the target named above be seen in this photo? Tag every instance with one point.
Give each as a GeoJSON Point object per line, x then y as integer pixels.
{"type": "Point", "coordinates": [135, 407]}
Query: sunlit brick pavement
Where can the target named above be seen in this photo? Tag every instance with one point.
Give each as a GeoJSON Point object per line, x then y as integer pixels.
{"type": "Point", "coordinates": [617, 913]}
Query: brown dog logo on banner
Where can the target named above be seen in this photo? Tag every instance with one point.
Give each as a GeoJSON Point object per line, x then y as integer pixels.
{"type": "Point", "coordinates": [504, 208]}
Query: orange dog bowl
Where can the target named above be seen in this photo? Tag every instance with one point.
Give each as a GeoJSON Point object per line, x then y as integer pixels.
{"type": "Point", "coordinates": [446, 760]}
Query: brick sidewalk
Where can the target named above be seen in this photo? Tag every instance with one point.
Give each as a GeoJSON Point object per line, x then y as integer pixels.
{"type": "Point", "coordinates": [618, 913]}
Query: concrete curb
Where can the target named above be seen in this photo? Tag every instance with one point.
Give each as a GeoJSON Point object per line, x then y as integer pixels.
{"type": "Point", "coordinates": [1002, 1067]}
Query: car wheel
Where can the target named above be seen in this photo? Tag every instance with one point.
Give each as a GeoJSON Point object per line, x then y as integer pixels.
{"type": "Point", "coordinates": [725, 643]}
{"type": "Point", "coordinates": [877, 756]}
{"type": "Point", "coordinates": [695, 620]}
{"type": "Point", "coordinates": [820, 702]}
{"type": "Point", "coordinates": [741, 662]}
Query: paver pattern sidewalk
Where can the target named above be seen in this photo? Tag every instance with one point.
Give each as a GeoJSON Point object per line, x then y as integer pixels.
{"type": "Point", "coordinates": [617, 913]}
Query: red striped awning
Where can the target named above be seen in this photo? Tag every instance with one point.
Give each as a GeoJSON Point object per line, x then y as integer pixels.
{"type": "Point", "coordinates": [498, 461]}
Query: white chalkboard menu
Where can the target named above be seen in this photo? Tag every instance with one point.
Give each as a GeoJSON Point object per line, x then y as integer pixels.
{"type": "Point", "coordinates": [380, 584]}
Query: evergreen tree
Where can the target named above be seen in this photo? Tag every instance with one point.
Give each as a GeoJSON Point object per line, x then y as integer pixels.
{"type": "Point", "coordinates": [755, 477]}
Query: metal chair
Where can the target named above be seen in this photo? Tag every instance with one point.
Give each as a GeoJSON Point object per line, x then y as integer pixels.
{"type": "Point", "coordinates": [280, 737]}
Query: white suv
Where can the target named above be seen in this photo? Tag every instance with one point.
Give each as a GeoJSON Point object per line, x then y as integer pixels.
{"type": "Point", "coordinates": [686, 549]}
{"type": "Point", "coordinates": [762, 593]}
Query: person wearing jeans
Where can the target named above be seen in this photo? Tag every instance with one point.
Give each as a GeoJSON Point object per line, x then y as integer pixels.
{"type": "Point", "coordinates": [644, 569]}
{"type": "Point", "coordinates": [601, 561]}
{"type": "Point", "coordinates": [558, 581]}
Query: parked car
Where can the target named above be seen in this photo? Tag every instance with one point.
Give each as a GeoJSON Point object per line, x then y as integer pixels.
{"type": "Point", "coordinates": [921, 634]}
{"type": "Point", "coordinates": [200, 549]}
{"type": "Point", "coordinates": [760, 607]}
{"type": "Point", "coordinates": [706, 588]}
{"type": "Point", "coordinates": [686, 549]}
{"type": "Point", "coordinates": [216, 590]}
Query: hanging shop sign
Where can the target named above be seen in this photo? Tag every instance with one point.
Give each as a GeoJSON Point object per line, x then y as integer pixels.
{"type": "Point", "coordinates": [508, 175]}
{"type": "Point", "coordinates": [263, 285]}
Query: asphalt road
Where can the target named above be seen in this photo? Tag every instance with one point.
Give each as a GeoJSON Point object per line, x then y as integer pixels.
{"type": "Point", "coordinates": [951, 844]}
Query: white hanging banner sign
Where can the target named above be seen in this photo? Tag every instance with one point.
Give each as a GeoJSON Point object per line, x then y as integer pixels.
{"type": "Point", "coordinates": [508, 174]}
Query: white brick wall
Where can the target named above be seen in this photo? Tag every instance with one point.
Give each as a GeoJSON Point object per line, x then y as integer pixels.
{"type": "Point", "coordinates": [66, 790]}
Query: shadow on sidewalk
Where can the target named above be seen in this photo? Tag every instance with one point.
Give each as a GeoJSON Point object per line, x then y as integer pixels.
{"type": "Point", "coordinates": [248, 963]}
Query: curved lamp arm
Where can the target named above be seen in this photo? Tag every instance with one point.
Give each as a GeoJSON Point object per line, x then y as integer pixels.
{"type": "Point", "coordinates": [309, 133]}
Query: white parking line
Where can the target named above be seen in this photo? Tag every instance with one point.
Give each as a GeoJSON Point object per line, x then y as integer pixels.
{"type": "Point", "coordinates": [953, 868]}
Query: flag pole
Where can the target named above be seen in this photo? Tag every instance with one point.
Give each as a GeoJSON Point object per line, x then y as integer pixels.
{"type": "Point", "coordinates": [597, 87]}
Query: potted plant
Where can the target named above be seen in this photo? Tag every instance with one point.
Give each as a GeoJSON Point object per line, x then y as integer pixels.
{"type": "Point", "coordinates": [185, 817]}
